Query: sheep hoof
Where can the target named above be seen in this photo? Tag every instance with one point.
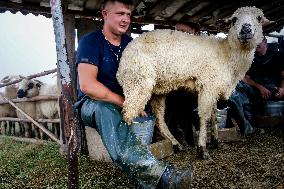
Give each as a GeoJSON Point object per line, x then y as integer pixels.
{"type": "Point", "coordinates": [178, 148]}
{"type": "Point", "coordinates": [215, 144]}
{"type": "Point", "coordinates": [203, 153]}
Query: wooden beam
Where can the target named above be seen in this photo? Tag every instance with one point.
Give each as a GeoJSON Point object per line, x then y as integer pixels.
{"type": "Point", "coordinates": [29, 77]}
{"type": "Point", "coordinates": [27, 120]}
{"type": "Point", "coordinates": [33, 99]}
{"type": "Point", "coordinates": [160, 6]}
{"type": "Point", "coordinates": [94, 5]}
{"type": "Point", "coordinates": [171, 9]}
{"type": "Point", "coordinates": [187, 7]}
{"type": "Point", "coordinates": [197, 8]}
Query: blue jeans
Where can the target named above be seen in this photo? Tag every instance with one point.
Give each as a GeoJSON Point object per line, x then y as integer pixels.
{"type": "Point", "coordinates": [123, 147]}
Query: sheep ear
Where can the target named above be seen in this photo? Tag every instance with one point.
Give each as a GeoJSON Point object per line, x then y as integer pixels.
{"type": "Point", "coordinates": [5, 79]}
{"type": "Point", "coordinates": [265, 21]}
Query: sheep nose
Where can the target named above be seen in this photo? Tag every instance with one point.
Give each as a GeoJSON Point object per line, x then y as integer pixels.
{"type": "Point", "coordinates": [21, 93]}
{"type": "Point", "coordinates": [246, 29]}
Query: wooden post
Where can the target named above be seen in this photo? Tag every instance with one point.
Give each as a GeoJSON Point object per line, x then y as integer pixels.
{"type": "Point", "coordinates": [64, 70]}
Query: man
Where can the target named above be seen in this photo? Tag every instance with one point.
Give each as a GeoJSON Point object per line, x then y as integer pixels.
{"type": "Point", "coordinates": [101, 99]}
{"type": "Point", "coordinates": [185, 28]}
{"type": "Point", "coordinates": [264, 81]}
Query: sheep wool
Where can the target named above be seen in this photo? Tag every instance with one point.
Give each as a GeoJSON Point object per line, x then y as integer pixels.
{"type": "Point", "coordinates": [160, 61]}
{"type": "Point", "coordinates": [6, 110]}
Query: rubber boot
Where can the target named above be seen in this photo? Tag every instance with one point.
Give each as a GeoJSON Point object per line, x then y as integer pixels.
{"type": "Point", "coordinates": [174, 178]}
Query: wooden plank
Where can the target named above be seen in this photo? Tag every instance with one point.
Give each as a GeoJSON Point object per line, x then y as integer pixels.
{"type": "Point", "coordinates": [187, 7]}
{"type": "Point", "coordinates": [198, 8]}
{"type": "Point", "coordinates": [158, 8]}
{"type": "Point", "coordinates": [33, 99]}
{"type": "Point", "coordinates": [171, 9]}
{"type": "Point", "coordinates": [162, 149]}
{"type": "Point", "coordinates": [94, 5]}
{"type": "Point", "coordinates": [27, 120]}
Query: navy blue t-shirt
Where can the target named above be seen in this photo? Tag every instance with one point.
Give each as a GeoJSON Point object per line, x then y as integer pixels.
{"type": "Point", "coordinates": [94, 49]}
{"type": "Point", "coordinates": [267, 69]}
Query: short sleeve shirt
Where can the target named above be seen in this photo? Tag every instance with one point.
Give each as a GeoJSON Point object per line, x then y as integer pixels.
{"type": "Point", "coordinates": [267, 68]}
{"type": "Point", "coordinates": [94, 49]}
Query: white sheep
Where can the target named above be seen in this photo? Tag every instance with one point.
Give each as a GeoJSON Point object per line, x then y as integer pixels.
{"type": "Point", "coordinates": [160, 61]}
{"type": "Point", "coordinates": [41, 109]}
{"type": "Point", "coordinates": [6, 110]}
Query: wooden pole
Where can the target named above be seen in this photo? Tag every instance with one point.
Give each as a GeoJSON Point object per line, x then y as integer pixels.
{"type": "Point", "coordinates": [52, 136]}
{"type": "Point", "coordinates": [33, 99]}
{"type": "Point", "coordinates": [64, 69]}
{"type": "Point", "coordinates": [27, 120]}
{"type": "Point", "coordinates": [29, 77]}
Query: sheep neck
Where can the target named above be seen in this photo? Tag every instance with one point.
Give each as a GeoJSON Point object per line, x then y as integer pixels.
{"type": "Point", "coordinates": [240, 61]}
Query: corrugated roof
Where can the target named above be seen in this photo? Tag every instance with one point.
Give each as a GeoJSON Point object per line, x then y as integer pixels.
{"type": "Point", "coordinates": [199, 13]}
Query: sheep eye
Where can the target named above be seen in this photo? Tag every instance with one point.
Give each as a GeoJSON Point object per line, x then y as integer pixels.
{"type": "Point", "coordinates": [259, 18]}
{"type": "Point", "coordinates": [38, 85]}
{"type": "Point", "coordinates": [30, 86]}
{"type": "Point", "coordinates": [234, 20]}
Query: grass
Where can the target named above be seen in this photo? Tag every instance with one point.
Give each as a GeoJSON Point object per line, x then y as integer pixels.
{"type": "Point", "coordinates": [30, 165]}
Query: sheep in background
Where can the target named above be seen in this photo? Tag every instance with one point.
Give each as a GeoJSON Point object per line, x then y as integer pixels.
{"type": "Point", "coordinates": [29, 88]}
{"type": "Point", "coordinates": [160, 61]}
{"type": "Point", "coordinates": [41, 109]}
{"type": "Point", "coordinates": [6, 110]}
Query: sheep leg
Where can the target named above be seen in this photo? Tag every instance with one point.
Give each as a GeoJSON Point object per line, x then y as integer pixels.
{"type": "Point", "coordinates": [205, 104]}
{"type": "Point", "coordinates": [158, 105]}
{"type": "Point", "coordinates": [214, 127]}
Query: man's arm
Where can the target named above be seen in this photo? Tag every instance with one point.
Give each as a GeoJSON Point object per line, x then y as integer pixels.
{"type": "Point", "coordinates": [93, 88]}
{"type": "Point", "coordinates": [265, 93]}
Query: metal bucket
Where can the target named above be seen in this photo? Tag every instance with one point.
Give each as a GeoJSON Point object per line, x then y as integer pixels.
{"type": "Point", "coordinates": [143, 128]}
{"type": "Point", "coordinates": [222, 117]}
{"type": "Point", "coordinates": [272, 108]}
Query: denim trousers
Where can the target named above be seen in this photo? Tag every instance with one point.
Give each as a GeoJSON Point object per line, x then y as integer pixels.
{"type": "Point", "coordinates": [122, 145]}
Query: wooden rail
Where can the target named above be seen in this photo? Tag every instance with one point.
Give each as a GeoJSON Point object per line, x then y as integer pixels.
{"type": "Point", "coordinates": [33, 99]}
{"type": "Point", "coordinates": [29, 77]}
{"type": "Point", "coordinates": [51, 135]}
{"type": "Point", "coordinates": [27, 120]}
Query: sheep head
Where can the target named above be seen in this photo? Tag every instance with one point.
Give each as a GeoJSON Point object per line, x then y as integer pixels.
{"type": "Point", "coordinates": [28, 88]}
{"type": "Point", "coordinates": [246, 27]}
{"type": "Point", "coordinates": [11, 90]}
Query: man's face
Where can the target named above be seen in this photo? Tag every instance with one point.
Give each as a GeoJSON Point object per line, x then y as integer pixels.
{"type": "Point", "coordinates": [117, 17]}
{"type": "Point", "coordinates": [262, 48]}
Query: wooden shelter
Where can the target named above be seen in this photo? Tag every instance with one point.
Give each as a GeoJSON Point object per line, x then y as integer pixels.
{"type": "Point", "coordinates": [84, 15]}
{"type": "Point", "coordinates": [201, 14]}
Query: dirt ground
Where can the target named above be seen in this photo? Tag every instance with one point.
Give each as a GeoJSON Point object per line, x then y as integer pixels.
{"type": "Point", "coordinates": [255, 162]}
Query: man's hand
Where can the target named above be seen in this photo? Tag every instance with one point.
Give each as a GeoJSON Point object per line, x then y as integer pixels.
{"type": "Point", "coordinates": [142, 114]}
{"type": "Point", "coordinates": [264, 92]}
{"type": "Point", "coordinates": [279, 93]}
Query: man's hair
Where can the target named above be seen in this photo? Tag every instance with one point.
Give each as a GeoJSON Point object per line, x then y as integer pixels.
{"type": "Point", "coordinates": [127, 2]}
